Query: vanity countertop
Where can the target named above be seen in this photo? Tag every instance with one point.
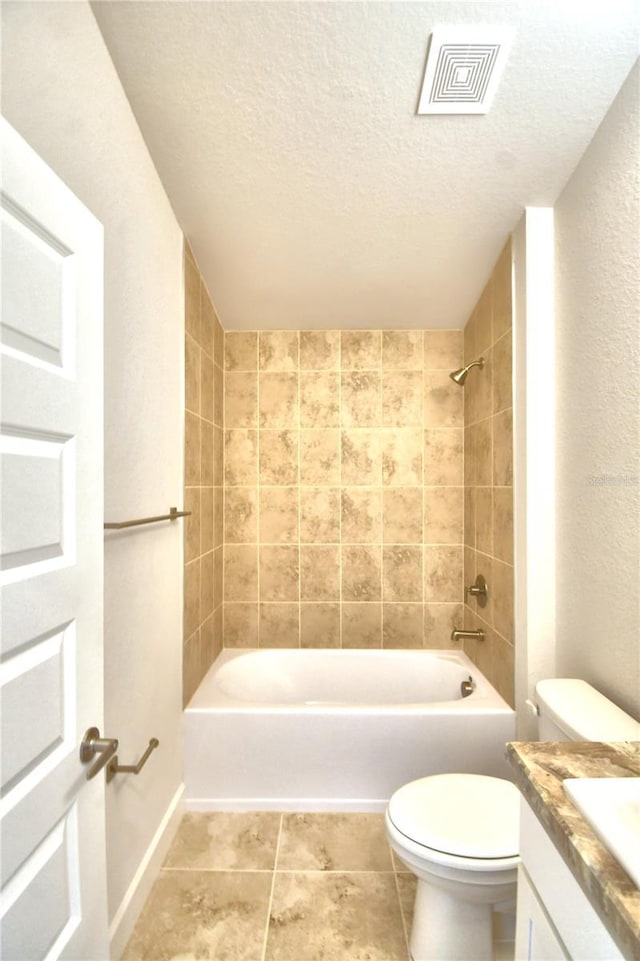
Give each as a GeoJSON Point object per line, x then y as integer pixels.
{"type": "Point", "coordinates": [540, 768]}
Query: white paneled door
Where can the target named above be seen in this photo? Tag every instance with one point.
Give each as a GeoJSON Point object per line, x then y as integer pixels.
{"type": "Point", "coordinates": [53, 900]}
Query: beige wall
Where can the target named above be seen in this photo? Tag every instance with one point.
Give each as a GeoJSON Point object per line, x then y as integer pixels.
{"type": "Point", "coordinates": [488, 528]}
{"type": "Point", "coordinates": [203, 494]}
{"type": "Point", "coordinates": [343, 488]}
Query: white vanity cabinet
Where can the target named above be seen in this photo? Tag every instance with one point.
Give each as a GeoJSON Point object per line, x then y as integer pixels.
{"type": "Point", "coordinates": [554, 921]}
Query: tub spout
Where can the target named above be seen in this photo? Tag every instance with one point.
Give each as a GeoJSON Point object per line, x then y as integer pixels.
{"type": "Point", "coordinates": [457, 635]}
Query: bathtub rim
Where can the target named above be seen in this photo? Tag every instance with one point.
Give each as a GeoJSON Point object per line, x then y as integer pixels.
{"type": "Point", "coordinates": [485, 699]}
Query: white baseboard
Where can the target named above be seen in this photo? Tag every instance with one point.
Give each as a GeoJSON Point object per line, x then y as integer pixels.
{"type": "Point", "coordinates": [334, 805]}
{"type": "Point", "coordinates": [138, 891]}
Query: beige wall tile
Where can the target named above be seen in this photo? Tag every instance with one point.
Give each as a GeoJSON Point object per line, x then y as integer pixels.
{"type": "Point", "coordinates": [218, 516]}
{"type": "Point", "coordinates": [402, 625]}
{"type": "Point", "coordinates": [402, 349]}
{"type": "Point", "coordinates": [402, 398]}
{"type": "Point", "coordinates": [192, 524]}
{"type": "Point", "coordinates": [190, 667]}
{"type": "Point", "coordinates": [218, 396]}
{"type": "Point", "coordinates": [208, 649]}
{"type": "Point", "coordinates": [278, 400]}
{"type": "Point", "coordinates": [241, 515]}
{"type": "Point", "coordinates": [482, 380]}
{"type": "Point", "coordinates": [443, 400]}
{"type": "Point", "coordinates": [484, 452]}
{"type": "Point", "coordinates": [241, 350]}
{"type": "Point", "coordinates": [443, 457]}
{"type": "Point", "coordinates": [278, 515]}
{"type": "Point", "coordinates": [361, 573]}
{"type": "Point", "coordinates": [218, 456]}
{"type": "Point", "coordinates": [319, 349]}
{"type": "Point", "coordinates": [218, 343]}
{"type": "Point", "coordinates": [443, 350]}
{"type": "Point", "coordinates": [361, 457]}
{"type": "Point", "coordinates": [191, 450]}
{"type": "Point", "coordinates": [207, 321]}
{"type": "Point", "coordinates": [319, 573]}
{"type": "Point", "coordinates": [278, 457]}
{"type": "Point", "coordinates": [502, 373]}
{"type": "Point", "coordinates": [503, 449]}
{"type": "Point", "coordinates": [361, 394]}
{"type": "Point", "coordinates": [240, 573]}
{"type": "Point", "coordinates": [439, 621]}
{"type": "Point", "coordinates": [241, 399]}
{"type": "Point", "coordinates": [279, 573]}
{"type": "Point", "coordinates": [191, 597]}
{"type": "Point", "coordinates": [319, 456]}
{"type": "Point", "coordinates": [206, 453]}
{"type": "Point", "coordinates": [191, 374]}
{"type": "Point", "coordinates": [206, 387]}
{"type": "Point", "coordinates": [361, 515]}
{"type": "Point", "coordinates": [319, 625]}
{"type": "Point", "coordinates": [319, 399]}
{"type": "Point", "coordinates": [361, 625]}
{"type": "Point", "coordinates": [470, 516]}
{"type": "Point", "coordinates": [206, 519]}
{"type": "Point", "coordinates": [503, 599]}
{"type": "Point", "coordinates": [402, 450]}
{"type": "Point", "coordinates": [443, 515]}
{"type": "Point", "coordinates": [240, 457]}
{"type": "Point", "coordinates": [402, 515]}
{"type": "Point", "coordinates": [206, 585]}
{"type": "Point", "coordinates": [360, 349]}
{"type": "Point", "coordinates": [192, 299]}
{"type": "Point", "coordinates": [484, 520]}
{"type": "Point", "coordinates": [469, 337]}
{"type": "Point", "coordinates": [402, 573]}
{"type": "Point", "coordinates": [241, 625]}
{"type": "Point", "coordinates": [319, 515]}
{"type": "Point", "coordinates": [279, 625]}
{"type": "Point", "coordinates": [278, 350]}
{"type": "Point", "coordinates": [218, 577]}
{"type": "Point", "coordinates": [443, 574]}
{"type": "Point", "coordinates": [503, 523]}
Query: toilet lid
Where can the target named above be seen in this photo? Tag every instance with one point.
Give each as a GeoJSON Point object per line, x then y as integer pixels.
{"type": "Point", "coordinates": [468, 815]}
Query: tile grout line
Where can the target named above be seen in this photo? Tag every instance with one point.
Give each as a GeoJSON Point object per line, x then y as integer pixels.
{"type": "Point", "coordinates": [273, 884]}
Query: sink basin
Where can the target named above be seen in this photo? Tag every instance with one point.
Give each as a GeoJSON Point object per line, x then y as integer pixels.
{"type": "Point", "coordinates": [611, 805]}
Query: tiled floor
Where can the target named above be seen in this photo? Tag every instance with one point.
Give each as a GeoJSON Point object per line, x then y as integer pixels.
{"type": "Point", "coordinates": [279, 887]}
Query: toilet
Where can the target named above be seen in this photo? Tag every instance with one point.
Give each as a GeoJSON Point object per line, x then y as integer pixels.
{"type": "Point", "coordinates": [458, 833]}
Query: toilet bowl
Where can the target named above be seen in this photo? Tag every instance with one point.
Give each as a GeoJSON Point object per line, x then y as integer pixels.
{"type": "Point", "coordinates": [458, 833]}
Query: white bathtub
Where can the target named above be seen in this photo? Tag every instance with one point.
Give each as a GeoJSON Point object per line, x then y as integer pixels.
{"type": "Point", "coordinates": [336, 730]}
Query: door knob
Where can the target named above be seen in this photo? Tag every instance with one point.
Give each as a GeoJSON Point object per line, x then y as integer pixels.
{"type": "Point", "coordinates": [92, 744]}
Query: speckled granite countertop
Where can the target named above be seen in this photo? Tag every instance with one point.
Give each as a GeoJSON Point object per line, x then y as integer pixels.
{"type": "Point", "coordinates": [540, 768]}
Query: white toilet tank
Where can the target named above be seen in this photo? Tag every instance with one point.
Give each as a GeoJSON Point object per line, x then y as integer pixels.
{"type": "Point", "coordinates": [571, 710]}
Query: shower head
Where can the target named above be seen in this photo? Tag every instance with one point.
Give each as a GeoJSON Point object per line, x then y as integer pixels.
{"type": "Point", "coordinates": [459, 376]}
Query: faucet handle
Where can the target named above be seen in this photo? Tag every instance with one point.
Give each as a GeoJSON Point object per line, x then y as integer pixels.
{"type": "Point", "coordinates": [479, 590]}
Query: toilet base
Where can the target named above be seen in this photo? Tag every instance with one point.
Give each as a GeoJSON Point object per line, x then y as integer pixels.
{"type": "Point", "coordinates": [447, 929]}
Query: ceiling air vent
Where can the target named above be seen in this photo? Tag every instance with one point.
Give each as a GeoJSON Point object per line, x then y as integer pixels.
{"type": "Point", "coordinates": [464, 65]}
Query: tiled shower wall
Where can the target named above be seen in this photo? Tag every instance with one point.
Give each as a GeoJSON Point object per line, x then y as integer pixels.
{"type": "Point", "coordinates": [488, 527]}
{"type": "Point", "coordinates": [203, 493]}
{"type": "Point", "coordinates": [343, 520]}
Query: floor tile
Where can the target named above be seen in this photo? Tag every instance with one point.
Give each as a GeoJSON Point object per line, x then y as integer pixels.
{"type": "Point", "coordinates": [407, 884]}
{"type": "Point", "coordinates": [202, 916]}
{"type": "Point", "coordinates": [225, 841]}
{"type": "Point", "coordinates": [333, 842]}
{"type": "Point", "coordinates": [335, 917]}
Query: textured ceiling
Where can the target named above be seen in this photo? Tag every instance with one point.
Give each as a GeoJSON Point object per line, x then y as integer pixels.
{"type": "Point", "coordinates": [312, 195]}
